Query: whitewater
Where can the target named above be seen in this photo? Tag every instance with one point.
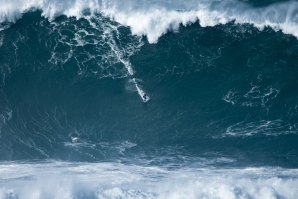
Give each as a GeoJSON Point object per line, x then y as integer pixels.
{"type": "Point", "coordinates": [155, 18]}
{"type": "Point", "coordinates": [113, 180]}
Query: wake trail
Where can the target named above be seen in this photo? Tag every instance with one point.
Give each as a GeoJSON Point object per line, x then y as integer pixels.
{"type": "Point", "coordinates": [120, 56]}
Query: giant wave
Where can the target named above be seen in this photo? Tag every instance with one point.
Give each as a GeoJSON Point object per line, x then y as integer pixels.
{"type": "Point", "coordinates": [221, 120]}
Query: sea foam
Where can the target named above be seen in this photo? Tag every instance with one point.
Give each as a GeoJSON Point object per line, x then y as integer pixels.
{"type": "Point", "coordinates": [115, 180]}
{"type": "Point", "coordinates": [155, 18]}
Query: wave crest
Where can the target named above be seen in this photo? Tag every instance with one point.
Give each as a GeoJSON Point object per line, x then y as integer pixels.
{"type": "Point", "coordinates": [153, 19]}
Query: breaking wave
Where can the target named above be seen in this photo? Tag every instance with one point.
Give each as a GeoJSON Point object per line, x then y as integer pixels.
{"type": "Point", "coordinates": [148, 99]}
{"type": "Point", "coordinates": [113, 180]}
{"type": "Point", "coordinates": [155, 18]}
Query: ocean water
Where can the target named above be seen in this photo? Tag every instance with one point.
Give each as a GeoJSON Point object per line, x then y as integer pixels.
{"type": "Point", "coordinates": [148, 99]}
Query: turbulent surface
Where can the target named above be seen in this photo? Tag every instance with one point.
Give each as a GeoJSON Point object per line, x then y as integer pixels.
{"type": "Point", "coordinates": [90, 181]}
{"type": "Point", "coordinates": [148, 99]}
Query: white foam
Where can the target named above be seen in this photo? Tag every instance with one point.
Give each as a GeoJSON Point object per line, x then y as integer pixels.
{"type": "Point", "coordinates": [113, 180]}
{"type": "Point", "coordinates": [155, 18]}
{"type": "Point", "coordinates": [254, 97]}
{"type": "Point", "coordinates": [262, 127]}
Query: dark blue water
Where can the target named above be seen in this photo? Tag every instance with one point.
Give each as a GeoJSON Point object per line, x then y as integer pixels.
{"type": "Point", "coordinates": [223, 108]}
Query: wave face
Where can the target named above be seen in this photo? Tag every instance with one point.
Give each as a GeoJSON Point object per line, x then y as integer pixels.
{"type": "Point", "coordinates": [148, 99]}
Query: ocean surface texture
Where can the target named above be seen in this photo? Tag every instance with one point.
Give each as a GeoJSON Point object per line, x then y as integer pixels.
{"type": "Point", "coordinates": [148, 99]}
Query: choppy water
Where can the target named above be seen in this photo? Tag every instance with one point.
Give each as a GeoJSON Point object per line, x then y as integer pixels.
{"type": "Point", "coordinates": [148, 99]}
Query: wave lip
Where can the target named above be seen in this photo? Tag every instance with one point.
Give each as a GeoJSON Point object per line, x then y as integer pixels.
{"type": "Point", "coordinates": [158, 21]}
{"type": "Point", "coordinates": [153, 19]}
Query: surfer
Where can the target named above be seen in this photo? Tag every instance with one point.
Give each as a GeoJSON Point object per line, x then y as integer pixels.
{"type": "Point", "coordinates": [145, 97]}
